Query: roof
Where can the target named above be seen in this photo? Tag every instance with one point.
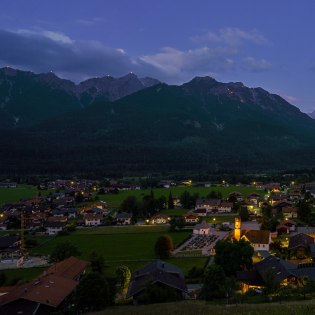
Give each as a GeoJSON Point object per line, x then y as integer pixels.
{"type": "Point", "coordinates": [300, 240]}
{"type": "Point", "coordinates": [258, 236]}
{"type": "Point", "coordinates": [210, 202]}
{"type": "Point", "coordinates": [203, 225]}
{"type": "Point", "coordinates": [157, 271]}
{"type": "Point", "coordinates": [54, 224]}
{"type": "Point", "coordinates": [289, 209]}
{"type": "Point", "coordinates": [92, 216]}
{"type": "Point", "coordinates": [69, 268]}
{"type": "Point", "coordinates": [306, 229]}
{"type": "Point", "coordinates": [123, 215]}
{"type": "Point", "coordinates": [279, 267]}
{"type": "Point", "coordinates": [52, 288]}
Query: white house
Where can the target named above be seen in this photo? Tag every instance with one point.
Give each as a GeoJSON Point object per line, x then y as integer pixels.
{"type": "Point", "coordinates": [225, 206]}
{"type": "Point", "coordinates": [259, 239]}
{"type": "Point", "coordinates": [202, 229]}
{"type": "Point", "coordinates": [53, 228]}
{"type": "Point", "coordinates": [191, 218]}
{"type": "Point", "coordinates": [91, 219]}
{"type": "Point", "coordinates": [124, 218]}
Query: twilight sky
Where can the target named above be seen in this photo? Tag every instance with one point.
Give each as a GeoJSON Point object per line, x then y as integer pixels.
{"type": "Point", "coordinates": [263, 43]}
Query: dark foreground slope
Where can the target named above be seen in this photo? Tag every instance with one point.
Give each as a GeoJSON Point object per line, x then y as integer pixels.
{"type": "Point", "coordinates": [203, 125]}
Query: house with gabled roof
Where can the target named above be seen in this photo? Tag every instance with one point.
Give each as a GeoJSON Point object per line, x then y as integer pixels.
{"type": "Point", "coordinates": [158, 273]}
{"type": "Point", "coordinates": [202, 229]}
{"type": "Point", "coordinates": [299, 246]}
{"type": "Point", "coordinates": [47, 293]}
{"type": "Point", "coordinates": [124, 218]}
{"type": "Point", "coordinates": [259, 239]}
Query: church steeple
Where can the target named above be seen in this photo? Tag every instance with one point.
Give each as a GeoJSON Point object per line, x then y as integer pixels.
{"type": "Point", "coordinates": [237, 229]}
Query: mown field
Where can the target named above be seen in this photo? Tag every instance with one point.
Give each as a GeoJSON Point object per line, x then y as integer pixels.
{"type": "Point", "coordinates": [114, 200]}
{"type": "Point", "coordinates": [11, 195]}
{"type": "Point", "coordinates": [132, 246]}
{"type": "Point", "coordinates": [201, 308]}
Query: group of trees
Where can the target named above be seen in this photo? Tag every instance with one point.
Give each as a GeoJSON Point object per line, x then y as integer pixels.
{"type": "Point", "coordinates": [219, 278]}
{"type": "Point", "coordinates": [145, 207]}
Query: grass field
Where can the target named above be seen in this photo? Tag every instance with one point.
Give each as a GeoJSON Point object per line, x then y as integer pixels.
{"type": "Point", "coordinates": [25, 274]}
{"type": "Point", "coordinates": [115, 199]}
{"type": "Point", "coordinates": [11, 195]}
{"type": "Point", "coordinates": [200, 308]}
{"type": "Point", "coordinates": [132, 246]}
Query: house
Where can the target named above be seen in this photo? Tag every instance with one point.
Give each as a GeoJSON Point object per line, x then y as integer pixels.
{"type": "Point", "coordinates": [209, 204]}
{"type": "Point", "coordinates": [200, 212]}
{"type": "Point", "coordinates": [62, 219]}
{"type": "Point", "coordinates": [290, 224]}
{"type": "Point", "coordinates": [280, 270]}
{"type": "Point", "coordinates": [159, 219]}
{"type": "Point", "coordinates": [91, 219]}
{"type": "Point", "coordinates": [202, 229]}
{"type": "Point", "coordinates": [53, 228]}
{"type": "Point", "coordinates": [259, 239]}
{"type": "Point", "coordinates": [225, 206]}
{"type": "Point", "coordinates": [157, 273]}
{"type": "Point", "coordinates": [253, 199]}
{"type": "Point", "coordinates": [282, 229]}
{"type": "Point", "coordinates": [191, 218]}
{"type": "Point", "coordinates": [124, 218]}
{"type": "Point", "coordinates": [8, 185]}
{"type": "Point", "coordinates": [290, 212]}
{"type": "Point", "coordinates": [309, 230]}
{"type": "Point", "coordinates": [236, 195]}
{"type": "Point", "coordinates": [274, 187]}
{"type": "Point", "coordinates": [295, 195]}
{"type": "Point", "coordinates": [299, 246]}
{"type": "Point", "coordinates": [46, 294]}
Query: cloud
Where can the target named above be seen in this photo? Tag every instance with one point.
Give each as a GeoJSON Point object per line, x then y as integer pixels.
{"type": "Point", "coordinates": [90, 22]}
{"type": "Point", "coordinates": [289, 98]}
{"type": "Point", "coordinates": [256, 65]}
{"type": "Point", "coordinates": [45, 50]}
{"type": "Point", "coordinates": [231, 36]}
{"type": "Point", "coordinates": [41, 51]}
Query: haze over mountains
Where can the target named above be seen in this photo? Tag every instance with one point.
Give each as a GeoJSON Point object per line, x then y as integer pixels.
{"type": "Point", "coordinates": [134, 125]}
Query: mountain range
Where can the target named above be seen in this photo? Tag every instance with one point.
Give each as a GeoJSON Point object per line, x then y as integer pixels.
{"type": "Point", "coordinates": [132, 126]}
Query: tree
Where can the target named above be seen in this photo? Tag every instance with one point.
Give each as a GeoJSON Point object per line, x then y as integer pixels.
{"type": "Point", "coordinates": [185, 200]}
{"type": "Point", "coordinates": [170, 201]}
{"type": "Point", "coordinates": [304, 210]}
{"type": "Point", "coordinates": [93, 292]}
{"type": "Point", "coordinates": [64, 250]}
{"type": "Point", "coordinates": [243, 213]}
{"type": "Point", "coordinates": [97, 262]}
{"type": "Point", "coordinates": [123, 275]}
{"type": "Point", "coordinates": [233, 255]}
{"type": "Point", "coordinates": [163, 247]}
{"type": "Point", "coordinates": [214, 281]}
{"type": "Point", "coordinates": [161, 202]}
{"type": "Point", "coordinates": [130, 204]}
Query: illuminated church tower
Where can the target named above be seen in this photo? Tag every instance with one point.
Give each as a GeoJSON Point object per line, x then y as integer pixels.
{"type": "Point", "coordinates": [237, 229]}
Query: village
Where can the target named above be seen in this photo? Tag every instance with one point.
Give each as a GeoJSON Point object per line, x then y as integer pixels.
{"type": "Point", "coordinates": [274, 222]}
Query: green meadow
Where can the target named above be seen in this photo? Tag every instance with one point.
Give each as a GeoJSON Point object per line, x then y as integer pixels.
{"type": "Point", "coordinates": [132, 246]}
{"type": "Point", "coordinates": [114, 200]}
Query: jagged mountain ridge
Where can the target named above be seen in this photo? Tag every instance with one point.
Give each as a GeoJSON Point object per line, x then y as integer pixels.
{"type": "Point", "coordinates": [202, 125]}
{"type": "Point", "coordinates": [27, 98]}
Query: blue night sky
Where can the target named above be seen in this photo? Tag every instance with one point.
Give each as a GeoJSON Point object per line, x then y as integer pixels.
{"type": "Point", "coordinates": [261, 43]}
